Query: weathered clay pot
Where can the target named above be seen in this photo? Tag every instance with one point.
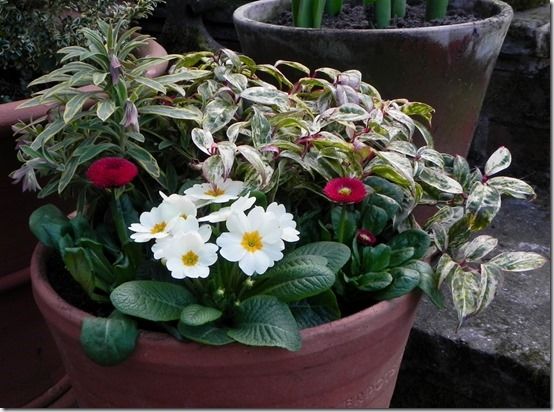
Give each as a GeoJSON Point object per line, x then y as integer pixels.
{"type": "Point", "coordinates": [352, 362]}
{"type": "Point", "coordinates": [448, 67]}
{"type": "Point", "coordinates": [33, 375]}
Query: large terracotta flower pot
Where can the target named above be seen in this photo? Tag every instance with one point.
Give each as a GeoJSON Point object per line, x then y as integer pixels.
{"type": "Point", "coordinates": [352, 362]}
{"type": "Point", "coordinates": [32, 371]}
{"type": "Point", "coordinates": [448, 67]}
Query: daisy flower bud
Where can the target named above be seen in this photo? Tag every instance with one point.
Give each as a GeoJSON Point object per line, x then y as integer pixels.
{"type": "Point", "coordinates": [365, 237]}
{"type": "Point", "coordinates": [111, 172]}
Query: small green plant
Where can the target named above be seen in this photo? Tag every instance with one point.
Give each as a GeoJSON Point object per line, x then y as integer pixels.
{"type": "Point", "coordinates": [309, 13]}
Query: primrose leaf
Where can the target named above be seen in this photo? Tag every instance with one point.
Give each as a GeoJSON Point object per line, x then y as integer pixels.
{"type": "Point", "coordinates": [295, 278]}
{"type": "Point", "coordinates": [404, 281]}
{"type": "Point", "coordinates": [337, 254]}
{"type": "Point", "coordinates": [207, 334]}
{"type": "Point", "coordinates": [108, 341]}
{"type": "Point", "coordinates": [415, 238]}
{"type": "Point", "coordinates": [48, 224]}
{"type": "Point", "coordinates": [196, 315]}
{"type": "Point", "coordinates": [265, 321]}
{"type": "Point", "coordinates": [151, 300]}
{"type": "Point", "coordinates": [372, 281]}
{"type": "Point", "coordinates": [316, 310]}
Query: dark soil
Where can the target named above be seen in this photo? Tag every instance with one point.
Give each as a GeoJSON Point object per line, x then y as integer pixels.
{"type": "Point", "coordinates": [356, 16]}
{"type": "Point", "coordinates": [70, 291]}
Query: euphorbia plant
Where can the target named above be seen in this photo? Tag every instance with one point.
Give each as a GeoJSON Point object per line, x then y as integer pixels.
{"type": "Point", "coordinates": [223, 202]}
{"type": "Point", "coordinates": [309, 13]}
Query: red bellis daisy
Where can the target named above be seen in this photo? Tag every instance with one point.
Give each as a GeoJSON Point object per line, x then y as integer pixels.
{"type": "Point", "coordinates": [345, 190]}
{"type": "Point", "coordinates": [111, 172]}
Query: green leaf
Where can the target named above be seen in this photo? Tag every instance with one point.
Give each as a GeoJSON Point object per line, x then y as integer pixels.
{"type": "Point", "coordinates": [415, 238]}
{"type": "Point", "coordinates": [386, 188]}
{"type": "Point", "coordinates": [479, 248]}
{"type": "Point", "coordinates": [375, 219]}
{"type": "Point", "coordinates": [295, 279]}
{"type": "Point", "coordinates": [89, 152]}
{"type": "Point", "coordinates": [377, 258]}
{"type": "Point", "coordinates": [144, 158]}
{"type": "Point", "coordinates": [350, 226]}
{"type": "Point", "coordinates": [482, 204]}
{"type": "Point", "coordinates": [404, 281]}
{"type": "Point", "coordinates": [74, 106]}
{"type": "Point", "coordinates": [48, 224]}
{"type": "Point", "coordinates": [207, 334]}
{"type": "Point", "coordinates": [336, 253]}
{"type": "Point", "coordinates": [104, 109]}
{"type": "Point", "coordinates": [151, 300]}
{"type": "Point", "coordinates": [428, 281]}
{"type": "Point", "coordinates": [439, 180]}
{"type": "Point", "coordinates": [518, 261]}
{"type": "Point", "coordinates": [265, 95]}
{"type": "Point", "coordinates": [498, 161]}
{"type": "Point", "coordinates": [419, 109]}
{"type": "Point", "coordinates": [316, 310]}
{"type": "Point", "coordinates": [372, 281]}
{"type": "Point", "coordinates": [217, 114]}
{"type": "Point", "coordinates": [68, 173]}
{"type": "Point", "coordinates": [196, 315]}
{"type": "Point", "coordinates": [265, 321]}
{"type": "Point", "coordinates": [465, 292]}
{"type": "Point", "coordinates": [512, 187]}
{"type": "Point", "coordinates": [400, 256]}
{"type": "Point", "coordinates": [388, 204]}
{"type": "Point", "coordinates": [80, 267]}
{"type": "Point", "coordinates": [108, 341]}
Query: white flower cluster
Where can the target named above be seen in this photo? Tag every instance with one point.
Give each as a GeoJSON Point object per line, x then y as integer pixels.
{"type": "Point", "coordinates": [255, 239]}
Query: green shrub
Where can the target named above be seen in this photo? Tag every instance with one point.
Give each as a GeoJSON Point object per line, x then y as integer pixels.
{"type": "Point", "coordinates": [31, 31]}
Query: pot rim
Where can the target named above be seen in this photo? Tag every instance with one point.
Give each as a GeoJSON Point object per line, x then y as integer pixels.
{"type": "Point", "coordinates": [74, 316]}
{"type": "Point", "coordinates": [505, 12]}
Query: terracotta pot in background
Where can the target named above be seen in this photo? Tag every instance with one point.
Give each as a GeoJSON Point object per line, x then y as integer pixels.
{"type": "Point", "coordinates": [448, 67]}
{"type": "Point", "coordinates": [32, 372]}
{"type": "Point", "coordinates": [349, 363]}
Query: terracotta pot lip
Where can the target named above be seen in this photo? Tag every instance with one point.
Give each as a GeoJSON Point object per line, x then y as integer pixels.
{"type": "Point", "coordinates": [10, 114]}
{"type": "Point", "coordinates": [13, 280]}
{"type": "Point", "coordinates": [75, 316]}
{"type": "Point", "coordinates": [240, 16]}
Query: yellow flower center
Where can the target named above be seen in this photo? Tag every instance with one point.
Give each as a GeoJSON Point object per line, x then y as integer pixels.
{"type": "Point", "coordinates": [158, 227]}
{"type": "Point", "coordinates": [215, 191]}
{"type": "Point", "coordinates": [345, 191]}
{"type": "Point", "coordinates": [190, 258]}
{"type": "Point", "coordinates": [184, 216]}
{"type": "Point", "coordinates": [252, 241]}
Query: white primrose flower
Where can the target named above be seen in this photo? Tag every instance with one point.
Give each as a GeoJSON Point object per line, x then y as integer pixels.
{"type": "Point", "coordinates": [254, 241]}
{"type": "Point", "coordinates": [242, 204]}
{"type": "Point", "coordinates": [181, 227]}
{"type": "Point", "coordinates": [154, 224]}
{"type": "Point", "coordinates": [188, 256]}
{"type": "Point", "coordinates": [286, 222]}
{"type": "Point", "coordinates": [220, 191]}
{"type": "Point", "coordinates": [183, 205]}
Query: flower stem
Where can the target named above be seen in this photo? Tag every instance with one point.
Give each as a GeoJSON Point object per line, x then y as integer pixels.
{"type": "Point", "coordinates": [399, 8]}
{"type": "Point", "coordinates": [382, 13]}
{"type": "Point", "coordinates": [436, 9]}
{"type": "Point", "coordinates": [119, 220]}
{"type": "Point", "coordinates": [342, 224]}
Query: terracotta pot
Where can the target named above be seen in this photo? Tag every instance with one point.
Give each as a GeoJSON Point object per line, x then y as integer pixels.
{"type": "Point", "coordinates": [34, 375]}
{"type": "Point", "coordinates": [448, 67]}
{"type": "Point", "coordinates": [352, 362]}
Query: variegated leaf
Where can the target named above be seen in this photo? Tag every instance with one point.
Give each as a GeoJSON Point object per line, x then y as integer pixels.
{"type": "Point", "coordinates": [213, 168]}
{"type": "Point", "coordinates": [265, 95]}
{"type": "Point", "coordinates": [217, 114]}
{"type": "Point", "coordinates": [74, 106]}
{"type": "Point", "coordinates": [183, 113]}
{"type": "Point", "coordinates": [482, 204]}
{"type": "Point", "coordinates": [512, 187]}
{"type": "Point", "coordinates": [498, 161]}
{"type": "Point", "coordinates": [234, 130]}
{"type": "Point", "coordinates": [260, 128]}
{"type": "Point", "coordinates": [518, 261]}
{"type": "Point", "coordinates": [350, 112]}
{"type": "Point", "coordinates": [488, 284]}
{"type": "Point", "coordinates": [465, 293]}
{"type": "Point", "coordinates": [237, 80]}
{"type": "Point", "coordinates": [203, 140]}
{"type": "Point", "coordinates": [227, 152]}
{"type": "Point", "coordinates": [440, 237]}
{"type": "Point", "coordinates": [399, 163]}
{"type": "Point", "coordinates": [294, 65]}
{"type": "Point", "coordinates": [446, 216]}
{"type": "Point", "coordinates": [403, 147]}
{"type": "Point", "coordinates": [445, 268]}
{"type": "Point", "coordinates": [431, 156]}
{"type": "Point", "coordinates": [403, 119]}
{"type": "Point", "coordinates": [253, 157]}
{"type": "Point", "coordinates": [479, 248]}
{"type": "Point", "coordinates": [438, 179]}
{"type": "Point", "coordinates": [105, 109]}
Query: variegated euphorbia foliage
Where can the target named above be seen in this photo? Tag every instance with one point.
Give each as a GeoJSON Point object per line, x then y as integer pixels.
{"type": "Point", "coordinates": [321, 153]}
